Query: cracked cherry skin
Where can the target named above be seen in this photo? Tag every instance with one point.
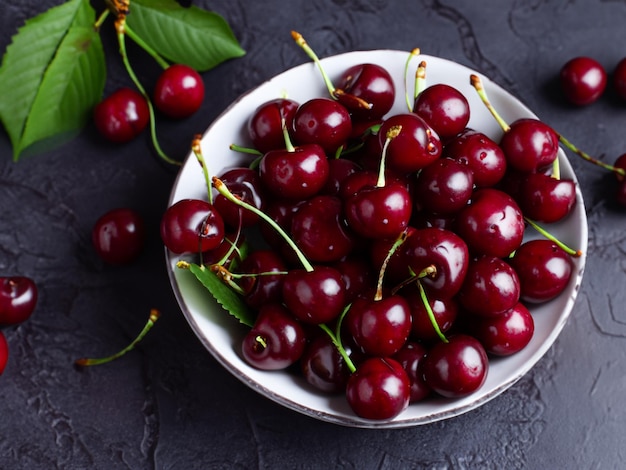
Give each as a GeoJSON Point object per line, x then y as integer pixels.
{"type": "Point", "coordinates": [491, 224]}
{"type": "Point", "coordinates": [179, 91]}
{"type": "Point", "coordinates": [118, 236]}
{"type": "Point", "coordinates": [416, 145]}
{"type": "Point", "coordinates": [296, 173]}
{"type": "Point", "coordinates": [543, 269]}
{"type": "Point", "coordinates": [379, 389]}
{"type": "Point", "coordinates": [18, 299]}
{"type": "Point", "coordinates": [582, 80]}
{"type": "Point", "coordinates": [275, 341]}
{"type": "Point", "coordinates": [121, 116]}
{"type": "Point", "coordinates": [191, 226]}
{"type": "Point", "coordinates": [264, 126]}
{"type": "Point", "coordinates": [456, 368]}
{"type": "Point", "coordinates": [371, 84]}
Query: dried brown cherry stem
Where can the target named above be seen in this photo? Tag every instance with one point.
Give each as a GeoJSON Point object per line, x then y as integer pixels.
{"type": "Point", "coordinates": [420, 79]}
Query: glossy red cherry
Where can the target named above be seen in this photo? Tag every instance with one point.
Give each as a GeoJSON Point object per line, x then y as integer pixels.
{"type": "Point", "coordinates": [259, 285]}
{"type": "Point", "coordinates": [18, 299]}
{"type": "Point", "coordinates": [410, 357]}
{"type": "Point", "coordinates": [244, 183]}
{"type": "Point", "coordinates": [265, 124]}
{"type": "Point", "coordinates": [444, 310]}
{"type": "Point", "coordinates": [543, 198]}
{"type": "Point", "coordinates": [4, 352]}
{"type": "Point", "coordinates": [372, 85]}
{"type": "Point", "coordinates": [122, 115]}
{"type": "Point", "coordinates": [323, 367]}
{"type": "Point", "coordinates": [275, 341]}
{"type": "Point", "coordinates": [582, 80]}
{"type": "Point", "coordinates": [379, 389]}
{"type": "Point", "coordinates": [456, 368]}
{"type": "Point", "coordinates": [444, 108]}
{"type": "Point", "coordinates": [619, 79]}
{"type": "Point", "coordinates": [324, 122]}
{"type": "Point", "coordinates": [443, 187]}
{"type": "Point", "coordinates": [491, 224]}
{"type": "Point", "coordinates": [191, 226]}
{"type": "Point", "coordinates": [379, 327]}
{"type": "Point", "coordinates": [118, 236]}
{"type": "Point", "coordinates": [529, 145]}
{"type": "Point", "coordinates": [544, 270]}
{"type": "Point", "coordinates": [507, 333]}
{"type": "Point", "coordinates": [179, 91]}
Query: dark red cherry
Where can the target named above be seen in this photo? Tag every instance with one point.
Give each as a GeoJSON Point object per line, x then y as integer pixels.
{"type": "Point", "coordinates": [338, 170]}
{"type": "Point", "coordinates": [373, 88]}
{"type": "Point", "coordinates": [444, 108]}
{"type": "Point", "coordinates": [507, 333]}
{"type": "Point", "coordinates": [443, 187]}
{"type": "Point", "coordinates": [179, 91]}
{"type": "Point", "coordinates": [379, 211]}
{"type": "Point", "coordinates": [416, 146]}
{"type": "Point", "coordinates": [324, 122]}
{"type": "Point", "coordinates": [294, 174]}
{"type": "Point", "coordinates": [582, 80]}
{"type": "Point", "coordinates": [442, 250]}
{"type": "Point", "coordinates": [357, 275]}
{"type": "Point", "coordinates": [491, 224]}
{"type": "Point", "coordinates": [544, 270]}
{"type": "Point", "coordinates": [491, 287]}
{"type": "Point", "coordinates": [379, 327]}
{"type": "Point", "coordinates": [316, 296]}
{"type": "Point", "coordinates": [379, 389]}
{"type": "Point", "coordinates": [456, 368]}
{"type": "Point", "coordinates": [445, 312]}
{"type": "Point", "coordinates": [410, 356]}
{"type": "Point", "coordinates": [481, 154]}
{"type": "Point", "coordinates": [265, 124]}
{"type": "Point", "coordinates": [244, 183]}
{"type": "Point", "coordinates": [323, 366]}
{"type": "Point", "coordinates": [118, 236]}
{"type": "Point", "coordinates": [18, 299]}
{"type": "Point", "coordinates": [122, 115]}
{"type": "Point", "coordinates": [529, 145]}
{"type": "Point", "coordinates": [191, 226]}
{"type": "Point", "coordinates": [319, 230]}
{"type": "Point", "coordinates": [619, 79]}
{"type": "Point", "coordinates": [259, 285]}
{"type": "Point", "coordinates": [4, 352]}
{"type": "Point", "coordinates": [543, 198]}
{"type": "Point", "coordinates": [275, 341]}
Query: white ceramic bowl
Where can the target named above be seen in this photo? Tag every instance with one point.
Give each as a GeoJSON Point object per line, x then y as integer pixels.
{"type": "Point", "coordinates": [221, 334]}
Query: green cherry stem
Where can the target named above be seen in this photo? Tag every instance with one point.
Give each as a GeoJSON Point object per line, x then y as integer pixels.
{"type": "Point", "coordinates": [477, 83]}
{"type": "Point", "coordinates": [120, 26]}
{"type": "Point", "coordinates": [141, 43]}
{"type": "Point", "coordinates": [392, 133]}
{"type": "Point", "coordinates": [300, 41]}
{"type": "Point", "coordinates": [241, 149]}
{"type": "Point", "coordinates": [430, 312]}
{"type": "Point", "coordinates": [196, 148]}
{"type": "Point", "coordinates": [223, 190]}
{"type": "Point", "coordinates": [154, 316]}
{"type": "Point", "coordinates": [549, 236]}
{"type": "Point", "coordinates": [414, 53]}
{"type": "Point", "coordinates": [589, 158]}
{"type": "Point", "coordinates": [335, 337]}
{"type": "Point", "coordinates": [420, 79]}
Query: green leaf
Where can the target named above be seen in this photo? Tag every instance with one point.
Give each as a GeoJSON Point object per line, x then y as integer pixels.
{"type": "Point", "coordinates": [198, 38]}
{"type": "Point", "coordinates": [223, 294]}
{"type": "Point", "coordinates": [52, 74]}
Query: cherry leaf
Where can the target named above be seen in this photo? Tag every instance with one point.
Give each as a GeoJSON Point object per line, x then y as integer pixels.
{"type": "Point", "coordinates": [223, 294]}
{"type": "Point", "coordinates": [198, 38]}
{"type": "Point", "coordinates": [52, 74]}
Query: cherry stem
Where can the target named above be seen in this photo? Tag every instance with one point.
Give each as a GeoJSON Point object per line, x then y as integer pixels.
{"type": "Point", "coordinates": [480, 89]}
{"type": "Point", "coordinates": [196, 147]}
{"type": "Point", "coordinates": [101, 19]}
{"type": "Point", "coordinates": [381, 275]}
{"type": "Point", "coordinates": [154, 316]}
{"type": "Point", "coordinates": [549, 236]}
{"type": "Point", "coordinates": [414, 53]}
{"type": "Point", "coordinates": [589, 158]}
{"type": "Point", "coordinates": [227, 278]}
{"type": "Point", "coordinates": [223, 190]}
{"type": "Point", "coordinates": [248, 150]}
{"type": "Point", "coordinates": [300, 41]}
{"type": "Point", "coordinates": [392, 133]}
{"type": "Point", "coordinates": [430, 313]}
{"type": "Point", "coordinates": [288, 145]}
{"type": "Point", "coordinates": [336, 339]}
{"type": "Point", "coordinates": [420, 79]}
{"type": "Point", "coordinates": [141, 43]}
{"type": "Point", "coordinates": [120, 25]}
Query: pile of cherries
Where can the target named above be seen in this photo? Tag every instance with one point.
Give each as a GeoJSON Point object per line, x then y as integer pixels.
{"type": "Point", "coordinates": [18, 299]}
{"type": "Point", "coordinates": [393, 262]}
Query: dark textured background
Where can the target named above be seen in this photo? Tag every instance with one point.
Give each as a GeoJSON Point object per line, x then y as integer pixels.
{"type": "Point", "coordinates": [168, 404]}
